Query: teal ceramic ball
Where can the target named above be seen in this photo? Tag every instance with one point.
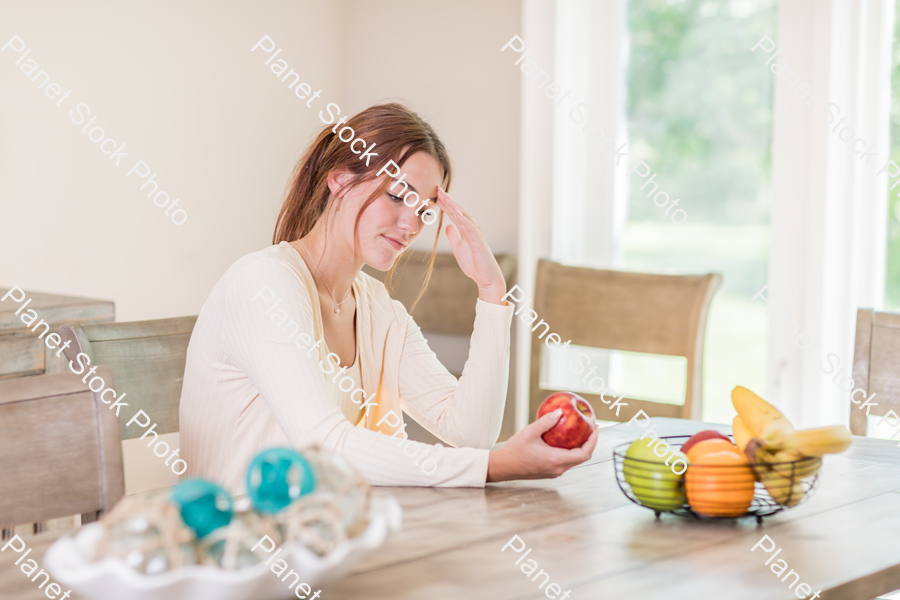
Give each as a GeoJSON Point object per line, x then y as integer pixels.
{"type": "Point", "coordinates": [205, 506]}
{"type": "Point", "coordinates": [276, 477]}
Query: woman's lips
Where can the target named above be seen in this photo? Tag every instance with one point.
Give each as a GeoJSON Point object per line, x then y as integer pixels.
{"type": "Point", "coordinates": [397, 245]}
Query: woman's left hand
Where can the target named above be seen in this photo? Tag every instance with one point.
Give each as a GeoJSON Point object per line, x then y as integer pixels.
{"type": "Point", "coordinates": [472, 251]}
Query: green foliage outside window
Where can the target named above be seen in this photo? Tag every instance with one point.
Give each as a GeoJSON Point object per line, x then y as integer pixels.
{"type": "Point", "coordinates": [892, 267]}
{"type": "Point", "coordinates": [700, 107]}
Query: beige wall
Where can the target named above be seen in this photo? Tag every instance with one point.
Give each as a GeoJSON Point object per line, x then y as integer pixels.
{"type": "Point", "coordinates": [443, 59]}
{"type": "Point", "coordinates": [178, 84]}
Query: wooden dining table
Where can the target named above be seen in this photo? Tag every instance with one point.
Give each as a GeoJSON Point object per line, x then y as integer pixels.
{"type": "Point", "coordinates": [596, 544]}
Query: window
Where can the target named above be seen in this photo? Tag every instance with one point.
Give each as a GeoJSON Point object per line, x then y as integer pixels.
{"type": "Point", "coordinates": [892, 266]}
{"type": "Point", "coordinates": [699, 114]}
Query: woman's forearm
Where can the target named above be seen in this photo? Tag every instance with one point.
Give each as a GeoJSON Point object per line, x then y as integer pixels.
{"type": "Point", "coordinates": [480, 395]}
{"type": "Point", "coordinates": [468, 412]}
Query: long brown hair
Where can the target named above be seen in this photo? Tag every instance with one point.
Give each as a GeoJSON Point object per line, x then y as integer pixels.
{"type": "Point", "coordinates": [396, 133]}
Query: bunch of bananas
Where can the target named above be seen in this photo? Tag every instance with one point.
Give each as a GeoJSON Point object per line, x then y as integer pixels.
{"type": "Point", "coordinates": [781, 456]}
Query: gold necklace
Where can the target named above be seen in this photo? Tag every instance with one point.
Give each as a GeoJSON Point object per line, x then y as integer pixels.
{"type": "Point", "coordinates": [337, 306]}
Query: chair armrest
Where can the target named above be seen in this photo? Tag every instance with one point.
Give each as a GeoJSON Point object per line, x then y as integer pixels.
{"type": "Point", "coordinates": [77, 340]}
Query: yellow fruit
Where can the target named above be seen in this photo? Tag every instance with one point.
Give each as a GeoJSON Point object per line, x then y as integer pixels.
{"type": "Point", "coordinates": [783, 457]}
{"type": "Point", "coordinates": [783, 491]}
{"type": "Point", "coordinates": [789, 463]}
{"type": "Point", "coordinates": [781, 474]}
{"type": "Point", "coordinates": [778, 484]}
{"type": "Point", "coordinates": [806, 468]}
{"type": "Point", "coordinates": [776, 432]}
{"type": "Point", "coordinates": [819, 441]}
{"type": "Point", "coordinates": [757, 414]}
{"type": "Point", "coordinates": [742, 434]}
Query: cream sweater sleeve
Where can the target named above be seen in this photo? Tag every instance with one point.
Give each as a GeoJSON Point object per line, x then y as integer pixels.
{"type": "Point", "coordinates": [293, 387]}
{"type": "Point", "coordinates": [468, 412]}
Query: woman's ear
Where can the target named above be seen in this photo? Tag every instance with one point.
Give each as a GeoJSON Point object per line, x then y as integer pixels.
{"type": "Point", "coordinates": [337, 179]}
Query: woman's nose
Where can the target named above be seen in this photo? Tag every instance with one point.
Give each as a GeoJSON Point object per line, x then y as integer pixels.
{"type": "Point", "coordinates": [409, 221]}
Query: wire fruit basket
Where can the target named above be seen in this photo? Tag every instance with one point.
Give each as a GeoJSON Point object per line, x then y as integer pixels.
{"type": "Point", "coordinates": [715, 491]}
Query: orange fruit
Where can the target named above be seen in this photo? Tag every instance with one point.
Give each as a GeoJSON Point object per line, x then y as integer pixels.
{"type": "Point", "coordinates": [705, 447]}
{"type": "Point", "coordinates": [719, 483]}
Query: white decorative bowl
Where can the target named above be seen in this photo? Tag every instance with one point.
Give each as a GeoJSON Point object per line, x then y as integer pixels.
{"type": "Point", "coordinates": [112, 579]}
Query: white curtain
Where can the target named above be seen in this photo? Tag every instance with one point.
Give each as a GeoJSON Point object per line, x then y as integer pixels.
{"type": "Point", "coordinates": [589, 191]}
{"type": "Point", "coordinates": [827, 245]}
{"type": "Point", "coordinates": [572, 194]}
{"type": "Point", "coordinates": [535, 182]}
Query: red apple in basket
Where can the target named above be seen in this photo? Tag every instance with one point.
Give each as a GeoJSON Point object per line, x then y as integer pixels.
{"type": "Point", "coordinates": [576, 423]}
{"type": "Point", "coordinates": [708, 434]}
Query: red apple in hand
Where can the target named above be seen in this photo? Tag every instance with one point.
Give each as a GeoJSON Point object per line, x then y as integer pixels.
{"type": "Point", "coordinates": [576, 423]}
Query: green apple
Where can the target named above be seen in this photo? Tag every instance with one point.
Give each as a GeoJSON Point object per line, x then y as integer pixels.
{"type": "Point", "coordinates": [655, 485]}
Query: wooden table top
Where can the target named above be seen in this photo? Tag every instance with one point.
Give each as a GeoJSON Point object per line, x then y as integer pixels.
{"type": "Point", "coordinates": [590, 539]}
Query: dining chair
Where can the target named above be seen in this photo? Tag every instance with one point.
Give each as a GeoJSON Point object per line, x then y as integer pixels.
{"type": "Point", "coordinates": [448, 304]}
{"type": "Point", "coordinates": [876, 361]}
{"type": "Point", "coordinates": [620, 310]}
{"type": "Point", "coordinates": [60, 450]}
{"type": "Point", "coordinates": [22, 352]}
{"type": "Point", "coordinates": [148, 359]}
{"type": "Point", "coordinates": [876, 365]}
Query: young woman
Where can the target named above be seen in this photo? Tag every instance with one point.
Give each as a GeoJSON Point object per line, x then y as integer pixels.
{"type": "Point", "coordinates": [297, 346]}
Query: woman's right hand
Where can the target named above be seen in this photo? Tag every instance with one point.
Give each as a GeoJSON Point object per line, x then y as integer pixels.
{"type": "Point", "coordinates": [471, 250]}
{"type": "Point", "coordinates": [526, 456]}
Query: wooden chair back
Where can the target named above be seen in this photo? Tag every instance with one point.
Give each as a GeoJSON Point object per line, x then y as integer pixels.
{"type": "Point", "coordinates": [60, 449]}
{"type": "Point", "coordinates": [148, 360]}
{"type": "Point", "coordinates": [448, 304]}
{"type": "Point", "coordinates": [22, 352]}
{"type": "Point", "coordinates": [876, 365]}
{"type": "Point", "coordinates": [619, 310]}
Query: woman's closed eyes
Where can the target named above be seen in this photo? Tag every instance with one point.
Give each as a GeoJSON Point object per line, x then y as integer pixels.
{"type": "Point", "coordinates": [428, 203]}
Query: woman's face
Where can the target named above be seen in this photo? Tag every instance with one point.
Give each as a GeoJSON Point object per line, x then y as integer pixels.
{"type": "Point", "coordinates": [388, 226]}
